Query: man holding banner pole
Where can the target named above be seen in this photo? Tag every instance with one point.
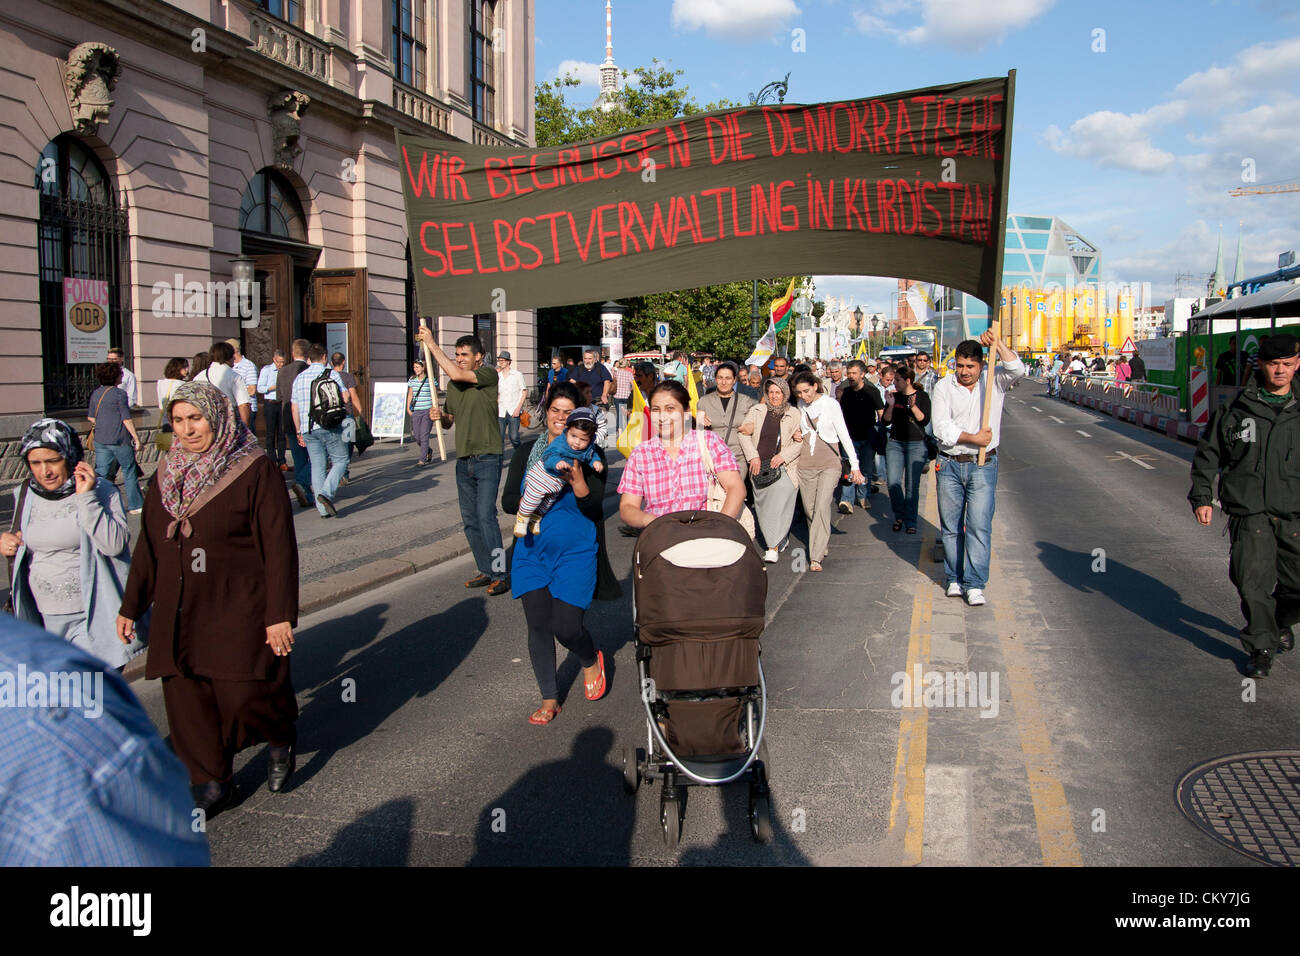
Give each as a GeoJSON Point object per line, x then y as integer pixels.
{"type": "Point", "coordinates": [967, 417]}
{"type": "Point", "coordinates": [471, 405]}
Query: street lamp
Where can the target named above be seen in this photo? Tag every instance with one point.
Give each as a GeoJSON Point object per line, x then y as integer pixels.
{"type": "Point", "coordinates": [875, 326]}
{"type": "Point", "coordinates": [857, 321]}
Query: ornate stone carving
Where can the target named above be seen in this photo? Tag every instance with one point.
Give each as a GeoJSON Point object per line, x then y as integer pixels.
{"type": "Point", "coordinates": [286, 109]}
{"type": "Point", "coordinates": [92, 72]}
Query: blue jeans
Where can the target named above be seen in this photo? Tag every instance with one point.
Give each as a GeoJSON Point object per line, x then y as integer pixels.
{"type": "Point", "coordinates": [108, 457]}
{"type": "Point", "coordinates": [857, 494]}
{"type": "Point", "coordinates": [621, 412]}
{"type": "Point", "coordinates": [509, 423]}
{"type": "Point", "coordinates": [477, 478]}
{"type": "Point", "coordinates": [966, 494]}
{"type": "Point", "coordinates": [301, 460]}
{"type": "Point", "coordinates": [905, 461]}
{"type": "Point", "coordinates": [323, 443]}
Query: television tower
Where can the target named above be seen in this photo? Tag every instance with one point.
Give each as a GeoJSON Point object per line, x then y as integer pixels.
{"type": "Point", "coordinates": [609, 74]}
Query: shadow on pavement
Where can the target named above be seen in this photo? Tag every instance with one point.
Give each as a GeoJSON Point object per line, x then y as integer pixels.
{"type": "Point", "coordinates": [380, 837]}
{"type": "Point", "coordinates": [1150, 598]}
{"type": "Point", "coordinates": [388, 674]}
{"type": "Point", "coordinates": [566, 812]}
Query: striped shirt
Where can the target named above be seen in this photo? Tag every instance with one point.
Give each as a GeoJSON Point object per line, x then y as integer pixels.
{"type": "Point", "coordinates": [623, 383]}
{"type": "Point", "coordinates": [421, 393]}
{"type": "Point", "coordinates": [247, 371]}
{"type": "Point", "coordinates": [302, 393]}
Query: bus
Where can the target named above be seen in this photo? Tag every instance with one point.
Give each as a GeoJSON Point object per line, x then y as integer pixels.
{"type": "Point", "coordinates": [921, 338]}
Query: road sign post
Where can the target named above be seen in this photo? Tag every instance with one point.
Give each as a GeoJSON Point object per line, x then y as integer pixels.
{"type": "Point", "coordinates": [661, 336]}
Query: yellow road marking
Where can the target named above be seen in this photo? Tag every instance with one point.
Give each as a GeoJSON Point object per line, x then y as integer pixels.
{"type": "Point", "coordinates": [913, 724]}
{"type": "Point", "coordinates": [1051, 808]}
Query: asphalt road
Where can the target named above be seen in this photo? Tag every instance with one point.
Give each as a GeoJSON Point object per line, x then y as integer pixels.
{"type": "Point", "coordinates": [1109, 685]}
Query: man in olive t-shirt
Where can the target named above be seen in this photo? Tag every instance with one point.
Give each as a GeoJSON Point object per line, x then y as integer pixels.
{"type": "Point", "coordinates": [471, 405]}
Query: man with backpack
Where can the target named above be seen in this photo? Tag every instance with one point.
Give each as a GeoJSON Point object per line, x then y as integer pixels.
{"type": "Point", "coordinates": [318, 414]}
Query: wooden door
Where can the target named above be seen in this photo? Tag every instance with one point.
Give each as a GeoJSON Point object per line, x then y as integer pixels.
{"type": "Point", "coordinates": [339, 295]}
{"type": "Point", "coordinates": [274, 274]}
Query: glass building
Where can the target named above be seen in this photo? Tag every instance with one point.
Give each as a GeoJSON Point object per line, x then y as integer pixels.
{"type": "Point", "coordinates": [1040, 251]}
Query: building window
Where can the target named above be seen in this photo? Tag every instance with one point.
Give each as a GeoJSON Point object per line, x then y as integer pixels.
{"type": "Point", "coordinates": [287, 10]}
{"type": "Point", "coordinates": [82, 234]}
{"type": "Point", "coordinates": [270, 207]}
{"type": "Point", "coordinates": [409, 50]}
{"type": "Point", "coordinates": [482, 60]}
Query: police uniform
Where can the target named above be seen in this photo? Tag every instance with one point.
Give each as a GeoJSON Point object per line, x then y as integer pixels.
{"type": "Point", "coordinates": [1253, 444]}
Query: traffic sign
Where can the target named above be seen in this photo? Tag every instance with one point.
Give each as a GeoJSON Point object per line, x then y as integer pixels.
{"type": "Point", "coordinates": [661, 334]}
{"type": "Point", "coordinates": [1128, 348]}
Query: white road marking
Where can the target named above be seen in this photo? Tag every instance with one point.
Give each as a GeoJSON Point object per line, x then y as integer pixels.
{"type": "Point", "coordinates": [1035, 408]}
{"type": "Point", "coordinates": [1055, 419]}
{"type": "Point", "coordinates": [1138, 460]}
{"type": "Point", "coordinates": [1083, 433]}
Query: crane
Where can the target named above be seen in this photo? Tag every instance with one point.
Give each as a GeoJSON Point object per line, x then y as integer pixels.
{"type": "Point", "coordinates": [1265, 190]}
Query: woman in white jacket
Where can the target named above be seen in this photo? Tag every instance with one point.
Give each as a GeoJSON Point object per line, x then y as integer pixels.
{"type": "Point", "coordinates": [769, 436]}
{"type": "Point", "coordinates": [824, 434]}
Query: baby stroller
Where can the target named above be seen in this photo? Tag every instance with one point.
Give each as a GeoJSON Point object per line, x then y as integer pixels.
{"type": "Point", "coordinates": [698, 608]}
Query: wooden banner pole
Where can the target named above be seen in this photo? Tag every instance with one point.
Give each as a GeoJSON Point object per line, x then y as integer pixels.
{"type": "Point", "coordinates": [995, 302]}
{"type": "Point", "coordinates": [430, 369]}
{"type": "Point", "coordinates": [990, 384]}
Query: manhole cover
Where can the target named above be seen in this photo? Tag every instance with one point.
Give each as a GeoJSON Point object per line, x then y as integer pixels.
{"type": "Point", "coordinates": [1250, 802]}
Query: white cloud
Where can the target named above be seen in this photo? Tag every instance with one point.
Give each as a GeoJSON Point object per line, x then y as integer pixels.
{"type": "Point", "coordinates": [1120, 140]}
{"type": "Point", "coordinates": [580, 70]}
{"type": "Point", "coordinates": [959, 24]}
{"type": "Point", "coordinates": [733, 18]}
{"type": "Point", "coordinates": [1265, 68]}
{"type": "Point", "coordinates": [873, 26]}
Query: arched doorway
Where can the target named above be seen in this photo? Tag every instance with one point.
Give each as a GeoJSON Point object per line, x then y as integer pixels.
{"type": "Point", "coordinates": [81, 235]}
{"type": "Point", "coordinates": [273, 232]}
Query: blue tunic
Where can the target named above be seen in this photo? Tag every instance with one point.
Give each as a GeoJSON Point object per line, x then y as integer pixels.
{"type": "Point", "coordinates": [561, 557]}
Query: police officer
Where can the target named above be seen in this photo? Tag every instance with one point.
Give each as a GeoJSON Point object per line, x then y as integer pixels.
{"type": "Point", "coordinates": [1253, 444]}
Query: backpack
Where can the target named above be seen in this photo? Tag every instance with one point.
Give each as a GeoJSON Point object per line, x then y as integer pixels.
{"type": "Point", "coordinates": [327, 409]}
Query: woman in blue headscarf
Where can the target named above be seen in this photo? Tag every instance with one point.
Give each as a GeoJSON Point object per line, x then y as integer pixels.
{"type": "Point", "coordinates": [71, 552]}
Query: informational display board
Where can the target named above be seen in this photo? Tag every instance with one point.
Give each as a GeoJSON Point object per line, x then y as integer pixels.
{"type": "Point", "coordinates": [388, 418]}
{"type": "Point", "coordinates": [1158, 354]}
{"type": "Point", "coordinates": [336, 340]}
{"type": "Point", "coordinates": [85, 320]}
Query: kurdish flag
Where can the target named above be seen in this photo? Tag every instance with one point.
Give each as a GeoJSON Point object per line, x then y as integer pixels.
{"type": "Point", "coordinates": [638, 424]}
{"type": "Point", "coordinates": [780, 308]}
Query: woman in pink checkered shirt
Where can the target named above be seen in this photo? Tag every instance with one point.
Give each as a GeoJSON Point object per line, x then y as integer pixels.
{"type": "Point", "coordinates": [666, 473]}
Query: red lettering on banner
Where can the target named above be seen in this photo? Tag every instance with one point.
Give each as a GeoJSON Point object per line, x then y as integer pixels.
{"type": "Point", "coordinates": [880, 124]}
{"type": "Point", "coordinates": [712, 125]}
{"type": "Point", "coordinates": [430, 251]}
{"type": "Point", "coordinates": [492, 169]}
{"type": "Point", "coordinates": [602, 152]}
{"type": "Point", "coordinates": [555, 174]}
{"type": "Point", "coordinates": [822, 207]}
{"type": "Point", "coordinates": [722, 232]}
{"type": "Point", "coordinates": [601, 232]}
{"type": "Point", "coordinates": [699, 229]}
{"type": "Point", "coordinates": [886, 204]}
{"type": "Point", "coordinates": [503, 244]}
{"type": "Point", "coordinates": [679, 152]}
{"type": "Point", "coordinates": [626, 212]}
{"type": "Point", "coordinates": [555, 234]}
{"type": "Point", "coordinates": [792, 209]}
{"type": "Point", "coordinates": [478, 260]}
{"type": "Point", "coordinates": [903, 126]}
{"type": "Point", "coordinates": [515, 173]}
{"type": "Point", "coordinates": [861, 134]}
{"type": "Point", "coordinates": [447, 227]}
{"type": "Point", "coordinates": [850, 200]}
{"type": "Point", "coordinates": [925, 188]}
{"type": "Point", "coordinates": [925, 102]}
{"type": "Point", "coordinates": [525, 244]}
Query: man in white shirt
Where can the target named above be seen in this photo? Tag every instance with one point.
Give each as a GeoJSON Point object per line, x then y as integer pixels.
{"type": "Point", "coordinates": [128, 383]}
{"type": "Point", "coordinates": [510, 398]}
{"type": "Point", "coordinates": [220, 374]}
{"type": "Point", "coordinates": [245, 369]}
{"type": "Point", "coordinates": [266, 388]}
{"type": "Point", "coordinates": [967, 489]}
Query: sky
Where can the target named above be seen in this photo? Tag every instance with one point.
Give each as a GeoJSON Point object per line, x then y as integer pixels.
{"type": "Point", "coordinates": [1132, 122]}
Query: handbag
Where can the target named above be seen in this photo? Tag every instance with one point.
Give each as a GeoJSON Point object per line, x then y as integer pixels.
{"type": "Point", "coordinates": [525, 420]}
{"type": "Point", "coordinates": [90, 436]}
{"type": "Point", "coordinates": [162, 438]}
{"type": "Point", "coordinates": [717, 495]}
{"type": "Point", "coordinates": [13, 528]}
{"type": "Point", "coordinates": [364, 438]}
{"type": "Point", "coordinates": [768, 474]}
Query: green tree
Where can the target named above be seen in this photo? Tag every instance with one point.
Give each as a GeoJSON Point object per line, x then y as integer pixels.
{"type": "Point", "coordinates": [711, 319]}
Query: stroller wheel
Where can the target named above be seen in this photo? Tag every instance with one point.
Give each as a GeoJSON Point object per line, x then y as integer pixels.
{"type": "Point", "coordinates": [670, 816]}
{"type": "Point", "coordinates": [631, 769]}
{"type": "Point", "coordinates": [760, 817]}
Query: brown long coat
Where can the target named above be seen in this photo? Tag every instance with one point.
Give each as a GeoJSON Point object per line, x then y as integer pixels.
{"type": "Point", "coordinates": [210, 613]}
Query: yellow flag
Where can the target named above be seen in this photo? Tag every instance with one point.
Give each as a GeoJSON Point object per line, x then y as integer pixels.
{"type": "Point", "coordinates": [692, 389]}
{"type": "Point", "coordinates": [862, 350]}
{"type": "Point", "coordinates": [631, 436]}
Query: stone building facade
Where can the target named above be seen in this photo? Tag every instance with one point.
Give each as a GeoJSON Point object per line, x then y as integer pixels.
{"type": "Point", "coordinates": [156, 150]}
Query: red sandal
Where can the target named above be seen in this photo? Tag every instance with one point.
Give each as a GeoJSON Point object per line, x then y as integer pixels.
{"type": "Point", "coordinates": [599, 683]}
{"type": "Point", "coordinates": [544, 715]}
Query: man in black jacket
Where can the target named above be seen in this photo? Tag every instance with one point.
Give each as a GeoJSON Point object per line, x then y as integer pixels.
{"type": "Point", "coordinates": [1253, 444]}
